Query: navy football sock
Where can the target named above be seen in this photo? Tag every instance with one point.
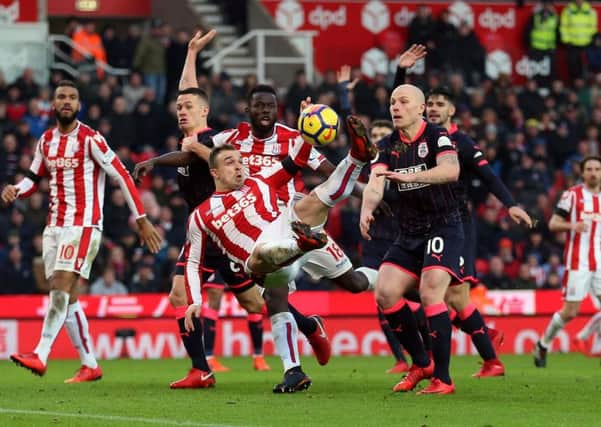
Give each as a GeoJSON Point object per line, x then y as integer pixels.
{"type": "Point", "coordinates": [422, 326]}
{"type": "Point", "coordinates": [209, 330]}
{"type": "Point", "coordinates": [403, 324]}
{"type": "Point", "coordinates": [440, 325]}
{"type": "Point", "coordinates": [193, 343]}
{"type": "Point", "coordinates": [474, 326]}
{"type": "Point", "coordinates": [393, 342]}
{"type": "Point", "coordinates": [255, 328]}
{"type": "Point", "coordinates": [305, 324]}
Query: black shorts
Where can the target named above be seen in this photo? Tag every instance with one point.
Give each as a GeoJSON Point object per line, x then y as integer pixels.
{"type": "Point", "coordinates": [373, 252]}
{"type": "Point", "coordinates": [218, 271]}
{"type": "Point", "coordinates": [441, 248]}
{"type": "Point", "coordinates": [469, 252]}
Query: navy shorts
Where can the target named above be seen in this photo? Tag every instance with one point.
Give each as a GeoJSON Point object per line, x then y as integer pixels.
{"type": "Point", "coordinates": [373, 252]}
{"type": "Point", "coordinates": [469, 252]}
{"type": "Point", "coordinates": [441, 248]}
{"type": "Point", "coordinates": [218, 271]}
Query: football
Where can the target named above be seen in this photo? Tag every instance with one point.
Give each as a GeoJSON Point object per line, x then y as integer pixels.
{"type": "Point", "coordinates": [318, 124]}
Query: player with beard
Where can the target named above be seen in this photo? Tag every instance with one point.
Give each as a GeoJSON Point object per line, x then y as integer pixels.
{"type": "Point", "coordinates": [272, 242]}
{"type": "Point", "coordinates": [77, 159]}
{"type": "Point", "coordinates": [197, 184]}
{"type": "Point", "coordinates": [440, 109]}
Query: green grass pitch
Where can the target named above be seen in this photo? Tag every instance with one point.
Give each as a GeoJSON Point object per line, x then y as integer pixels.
{"type": "Point", "coordinates": [350, 391]}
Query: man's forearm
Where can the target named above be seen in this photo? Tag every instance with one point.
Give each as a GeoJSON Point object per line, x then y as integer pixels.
{"type": "Point", "coordinates": [175, 159]}
{"type": "Point", "coordinates": [188, 78]}
{"type": "Point", "coordinates": [371, 198]}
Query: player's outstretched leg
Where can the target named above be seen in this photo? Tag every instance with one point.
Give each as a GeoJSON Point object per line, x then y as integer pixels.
{"type": "Point", "coordinates": [78, 330]}
{"type": "Point", "coordinates": [592, 326]}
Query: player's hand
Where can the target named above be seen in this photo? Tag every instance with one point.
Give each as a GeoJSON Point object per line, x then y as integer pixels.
{"type": "Point", "coordinates": [519, 215]}
{"type": "Point", "coordinates": [142, 169]}
{"type": "Point", "coordinates": [305, 103]}
{"type": "Point", "coordinates": [365, 223]}
{"type": "Point", "coordinates": [149, 235]}
{"type": "Point", "coordinates": [188, 143]}
{"type": "Point", "coordinates": [412, 55]}
{"type": "Point", "coordinates": [395, 176]}
{"type": "Point", "coordinates": [344, 75]}
{"type": "Point", "coordinates": [200, 41]}
{"type": "Point", "coordinates": [192, 311]}
{"type": "Point", "coordinates": [581, 227]}
{"type": "Point", "coordinates": [10, 193]}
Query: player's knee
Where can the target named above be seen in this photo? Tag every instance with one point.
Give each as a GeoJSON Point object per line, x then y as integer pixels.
{"type": "Point", "coordinates": [177, 295]}
{"type": "Point", "coordinates": [63, 281]}
{"type": "Point", "coordinates": [214, 296]}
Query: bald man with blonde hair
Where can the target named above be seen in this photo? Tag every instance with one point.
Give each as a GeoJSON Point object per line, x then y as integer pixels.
{"type": "Point", "coordinates": [420, 160]}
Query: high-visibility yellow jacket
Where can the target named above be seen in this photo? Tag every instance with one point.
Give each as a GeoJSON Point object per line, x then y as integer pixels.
{"type": "Point", "coordinates": [578, 24]}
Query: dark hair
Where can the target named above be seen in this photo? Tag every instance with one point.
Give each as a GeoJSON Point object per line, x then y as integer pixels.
{"type": "Point", "coordinates": [195, 91]}
{"type": "Point", "coordinates": [66, 83]}
{"type": "Point", "coordinates": [381, 124]}
{"type": "Point", "coordinates": [443, 91]}
{"type": "Point", "coordinates": [216, 151]}
{"type": "Point", "coordinates": [587, 159]}
{"type": "Point", "coordinates": [261, 89]}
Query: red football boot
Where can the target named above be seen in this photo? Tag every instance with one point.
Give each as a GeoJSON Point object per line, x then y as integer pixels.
{"type": "Point", "coordinates": [362, 148]}
{"type": "Point", "coordinates": [438, 387]}
{"type": "Point", "coordinates": [307, 239]}
{"type": "Point", "coordinates": [319, 342]}
{"type": "Point", "coordinates": [414, 376]}
{"type": "Point", "coordinates": [496, 338]}
{"type": "Point", "coordinates": [195, 379]}
{"type": "Point", "coordinates": [85, 374]}
{"type": "Point", "coordinates": [216, 365]}
{"type": "Point", "coordinates": [260, 364]}
{"type": "Point", "coordinates": [29, 361]}
{"type": "Point", "coordinates": [490, 368]}
{"type": "Point", "coordinates": [399, 367]}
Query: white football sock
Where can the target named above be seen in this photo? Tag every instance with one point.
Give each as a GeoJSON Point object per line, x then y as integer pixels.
{"type": "Point", "coordinates": [593, 325]}
{"type": "Point", "coordinates": [53, 321]}
{"type": "Point", "coordinates": [285, 333]}
{"type": "Point", "coordinates": [371, 275]}
{"type": "Point", "coordinates": [77, 327]}
{"type": "Point", "coordinates": [555, 325]}
{"type": "Point", "coordinates": [340, 183]}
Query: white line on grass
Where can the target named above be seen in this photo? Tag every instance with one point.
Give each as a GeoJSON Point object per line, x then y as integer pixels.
{"type": "Point", "coordinates": [160, 421]}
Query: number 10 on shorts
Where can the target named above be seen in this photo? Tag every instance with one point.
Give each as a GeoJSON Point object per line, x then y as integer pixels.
{"type": "Point", "coordinates": [435, 246]}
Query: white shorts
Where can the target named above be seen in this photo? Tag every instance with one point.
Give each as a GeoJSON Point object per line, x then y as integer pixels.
{"type": "Point", "coordinates": [329, 261]}
{"type": "Point", "coordinates": [70, 249]}
{"type": "Point", "coordinates": [579, 283]}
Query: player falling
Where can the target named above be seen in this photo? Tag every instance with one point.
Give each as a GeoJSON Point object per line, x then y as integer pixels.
{"type": "Point", "coordinates": [77, 159]}
{"type": "Point", "coordinates": [271, 242]}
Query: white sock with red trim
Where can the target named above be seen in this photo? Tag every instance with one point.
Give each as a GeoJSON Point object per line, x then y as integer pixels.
{"type": "Point", "coordinates": [53, 321]}
{"type": "Point", "coordinates": [340, 183]}
{"type": "Point", "coordinates": [285, 333]}
{"type": "Point", "coordinates": [77, 327]}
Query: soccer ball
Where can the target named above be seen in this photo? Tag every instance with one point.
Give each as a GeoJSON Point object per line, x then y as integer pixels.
{"type": "Point", "coordinates": [318, 124]}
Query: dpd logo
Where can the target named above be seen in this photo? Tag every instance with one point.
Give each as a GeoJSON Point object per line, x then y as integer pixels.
{"type": "Point", "coordinates": [290, 15]}
{"type": "Point", "coordinates": [375, 16]}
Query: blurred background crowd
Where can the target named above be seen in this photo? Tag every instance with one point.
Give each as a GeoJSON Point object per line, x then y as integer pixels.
{"type": "Point", "coordinates": [533, 135]}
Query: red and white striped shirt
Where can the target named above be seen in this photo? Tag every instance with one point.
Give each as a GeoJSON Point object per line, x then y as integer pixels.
{"type": "Point", "coordinates": [77, 164]}
{"type": "Point", "coordinates": [259, 154]}
{"type": "Point", "coordinates": [582, 250]}
{"type": "Point", "coordinates": [235, 219]}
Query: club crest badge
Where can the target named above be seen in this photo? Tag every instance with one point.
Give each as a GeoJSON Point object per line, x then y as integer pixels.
{"type": "Point", "coordinates": [422, 149]}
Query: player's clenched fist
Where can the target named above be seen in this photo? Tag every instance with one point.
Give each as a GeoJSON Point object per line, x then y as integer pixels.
{"type": "Point", "coordinates": [9, 194]}
{"type": "Point", "coordinates": [149, 235]}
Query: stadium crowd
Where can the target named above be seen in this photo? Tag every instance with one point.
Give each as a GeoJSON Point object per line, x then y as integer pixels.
{"type": "Point", "coordinates": [534, 137]}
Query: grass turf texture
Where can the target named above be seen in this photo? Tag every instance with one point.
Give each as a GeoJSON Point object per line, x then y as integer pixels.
{"type": "Point", "coordinates": [350, 391]}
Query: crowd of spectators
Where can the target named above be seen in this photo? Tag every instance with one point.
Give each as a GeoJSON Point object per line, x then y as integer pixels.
{"type": "Point", "coordinates": [533, 137]}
